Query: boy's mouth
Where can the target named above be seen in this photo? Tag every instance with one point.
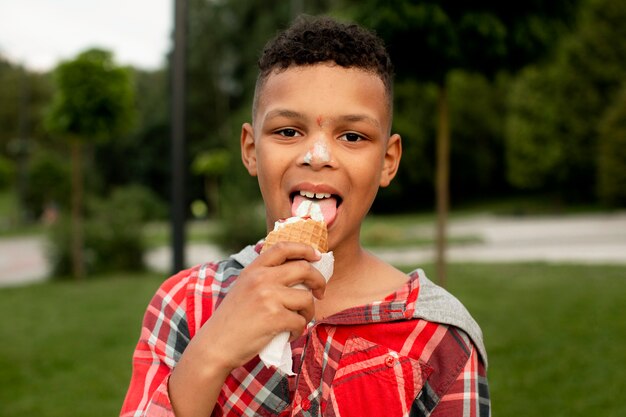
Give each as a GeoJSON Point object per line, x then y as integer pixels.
{"type": "Point", "coordinates": [327, 202]}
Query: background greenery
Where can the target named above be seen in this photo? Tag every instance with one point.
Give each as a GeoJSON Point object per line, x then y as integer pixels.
{"type": "Point", "coordinates": [535, 98]}
{"type": "Point", "coordinates": [553, 333]}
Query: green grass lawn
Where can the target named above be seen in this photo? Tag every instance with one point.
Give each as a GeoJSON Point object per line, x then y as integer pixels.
{"type": "Point", "coordinates": [66, 347]}
{"type": "Point", "coordinates": [555, 335]}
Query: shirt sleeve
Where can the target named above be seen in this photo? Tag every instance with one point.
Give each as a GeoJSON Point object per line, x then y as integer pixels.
{"type": "Point", "coordinates": [468, 395]}
{"type": "Point", "coordinates": [164, 336]}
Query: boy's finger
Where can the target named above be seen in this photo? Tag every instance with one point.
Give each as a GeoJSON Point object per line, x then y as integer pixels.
{"type": "Point", "coordinates": [301, 272]}
{"type": "Point", "coordinates": [296, 326]}
{"type": "Point", "coordinates": [300, 301]}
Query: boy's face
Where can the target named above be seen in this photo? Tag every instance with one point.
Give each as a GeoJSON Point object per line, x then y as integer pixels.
{"type": "Point", "coordinates": [321, 129]}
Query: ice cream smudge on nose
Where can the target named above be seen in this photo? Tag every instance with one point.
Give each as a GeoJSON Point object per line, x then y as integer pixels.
{"type": "Point", "coordinates": [319, 153]}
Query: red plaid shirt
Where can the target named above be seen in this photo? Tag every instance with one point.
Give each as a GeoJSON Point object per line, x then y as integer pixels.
{"type": "Point", "coordinates": [375, 360]}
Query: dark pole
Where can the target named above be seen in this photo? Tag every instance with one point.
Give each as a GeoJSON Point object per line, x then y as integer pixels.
{"type": "Point", "coordinates": [178, 135]}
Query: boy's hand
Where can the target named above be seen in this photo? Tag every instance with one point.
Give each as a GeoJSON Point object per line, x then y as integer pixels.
{"type": "Point", "coordinates": [261, 304]}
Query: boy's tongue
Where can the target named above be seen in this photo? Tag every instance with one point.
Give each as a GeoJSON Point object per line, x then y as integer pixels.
{"type": "Point", "coordinates": [303, 206]}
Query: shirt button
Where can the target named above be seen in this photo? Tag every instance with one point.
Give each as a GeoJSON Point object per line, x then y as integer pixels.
{"type": "Point", "coordinates": [390, 361]}
{"type": "Point", "coordinates": [306, 404]}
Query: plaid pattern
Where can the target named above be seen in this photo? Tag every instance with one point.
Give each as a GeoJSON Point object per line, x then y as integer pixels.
{"type": "Point", "coordinates": [374, 360]}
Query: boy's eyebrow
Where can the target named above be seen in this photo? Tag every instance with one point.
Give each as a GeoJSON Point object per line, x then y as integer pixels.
{"type": "Point", "coordinates": [360, 118]}
{"type": "Point", "coordinates": [291, 114]}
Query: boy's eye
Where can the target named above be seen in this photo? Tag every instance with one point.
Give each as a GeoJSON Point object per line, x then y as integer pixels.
{"type": "Point", "coordinates": [290, 133]}
{"type": "Point", "coordinates": [351, 137]}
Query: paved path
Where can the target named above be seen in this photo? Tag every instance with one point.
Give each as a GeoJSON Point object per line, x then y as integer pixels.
{"type": "Point", "coordinates": [578, 239]}
{"type": "Point", "coordinates": [22, 260]}
{"type": "Point", "coordinates": [570, 239]}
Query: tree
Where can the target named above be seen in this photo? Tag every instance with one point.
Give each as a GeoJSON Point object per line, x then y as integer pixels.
{"type": "Point", "coordinates": [428, 39]}
{"type": "Point", "coordinates": [93, 101]}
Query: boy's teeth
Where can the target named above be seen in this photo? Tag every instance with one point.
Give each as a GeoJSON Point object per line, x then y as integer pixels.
{"type": "Point", "coordinates": [310, 194]}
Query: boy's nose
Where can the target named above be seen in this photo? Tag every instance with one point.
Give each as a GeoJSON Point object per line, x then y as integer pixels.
{"type": "Point", "coordinates": [318, 155]}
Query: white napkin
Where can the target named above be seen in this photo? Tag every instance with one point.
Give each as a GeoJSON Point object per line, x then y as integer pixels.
{"type": "Point", "coordinates": [278, 351]}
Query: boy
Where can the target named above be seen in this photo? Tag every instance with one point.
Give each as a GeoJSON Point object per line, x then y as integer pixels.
{"type": "Point", "coordinates": [372, 341]}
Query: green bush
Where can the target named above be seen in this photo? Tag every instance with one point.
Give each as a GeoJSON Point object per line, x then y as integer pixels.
{"type": "Point", "coordinates": [113, 232]}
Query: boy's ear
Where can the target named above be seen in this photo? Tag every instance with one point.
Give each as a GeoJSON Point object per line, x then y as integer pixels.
{"type": "Point", "coordinates": [392, 160]}
{"type": "Point", "coordinates": [248, 148]}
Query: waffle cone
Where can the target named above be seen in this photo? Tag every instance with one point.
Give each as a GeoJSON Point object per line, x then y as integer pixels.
{"type": "Point", "coordinates": [308, 231]}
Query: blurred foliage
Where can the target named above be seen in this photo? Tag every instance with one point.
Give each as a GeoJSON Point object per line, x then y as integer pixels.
{"type": "Point", "coordinates": [557, 106]}
{"type": "Point", "coordinates": [93, 101]}
{"type": "Point", "coordinates": [414, 120]}
{"type": "Point", "coordinates": [477, 152]}
{"type": "Point", "coordinates": [7, 172]}
{"type": "Point", "coordinates": [533, 97]}
{"type": "Point", "coordinates": [212, 166]}
{"type": "Point", "coordinates": [24, 95]}
{"type": "Point", "coordinates": [242, 214]}
{"type": "Point", "coordinates": [93, 97]}
{"type": "Point", "coordinates": [612, 153]}
{"type": "Point", "coordinates": [532, 153]}
{"type": "Point", "coordinates": [141, 155]}
{"type": "Point", "coordinates": [48, 179]}
{"type": "Point", "coordinates": [113, 232]}
{"type": "Point", "coordinates": [429, 38]}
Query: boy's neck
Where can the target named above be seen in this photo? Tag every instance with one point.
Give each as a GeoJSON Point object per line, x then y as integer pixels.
{"type": "Point", "coordinates": [349, 257]}
{"type": "Point", "coordinates": [359, 278]}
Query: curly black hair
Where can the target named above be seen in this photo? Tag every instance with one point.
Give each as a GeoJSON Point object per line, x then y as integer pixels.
{"type": "Point", "coordinates": [317, 39]}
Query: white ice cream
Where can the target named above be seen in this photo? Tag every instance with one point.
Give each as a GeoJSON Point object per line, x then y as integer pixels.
{"type": "Point", "coordinates": [307, 208]}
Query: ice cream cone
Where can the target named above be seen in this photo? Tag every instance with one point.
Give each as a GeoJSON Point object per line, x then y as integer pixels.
{"type": "Point", "coordinates": [308, 231]}
{"type": "Point", "coordinates": [311, 232]}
